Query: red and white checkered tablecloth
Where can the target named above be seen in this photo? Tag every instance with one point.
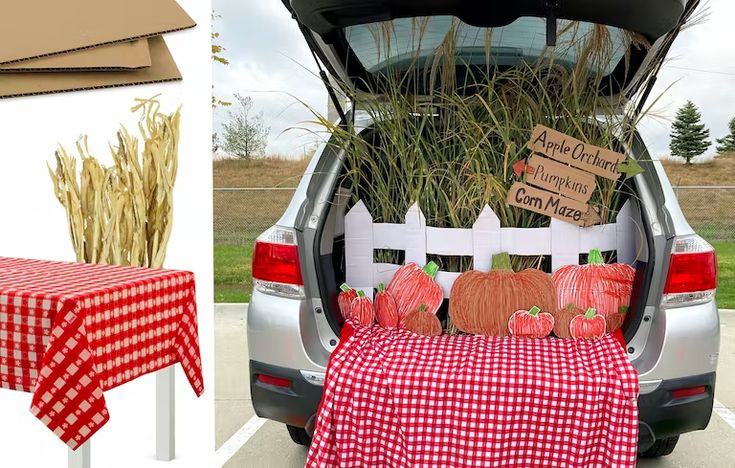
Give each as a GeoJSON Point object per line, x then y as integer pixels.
{"type": "Point", "coordinates": [70, 331]}
{"type": "Point", "coordinates": [395, 399]}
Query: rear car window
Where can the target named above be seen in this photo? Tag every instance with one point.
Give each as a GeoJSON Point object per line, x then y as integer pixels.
{"type": "Point", "coordinates": [403, 42]}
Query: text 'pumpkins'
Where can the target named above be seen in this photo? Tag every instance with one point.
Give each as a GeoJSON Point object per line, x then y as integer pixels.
{"type": "Point", "coordinates": [606, 287]}
{"type": "Point", "coordinates": [481, 303]}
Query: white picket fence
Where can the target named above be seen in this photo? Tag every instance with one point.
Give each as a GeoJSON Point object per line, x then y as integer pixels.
{"type": "Point", "coordinates": [562, 241]}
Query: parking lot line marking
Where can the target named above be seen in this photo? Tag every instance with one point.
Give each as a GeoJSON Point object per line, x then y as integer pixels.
{"type": "Point", "coordinates": [238, 440]}
{"type": "Point", "coordinates": [724, 413]}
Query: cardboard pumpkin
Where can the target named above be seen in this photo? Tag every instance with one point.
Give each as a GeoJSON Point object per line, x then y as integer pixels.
{"type": "Point", "coordinates": [481, 303]}
{"type": "Point", "coordinates": [563, 317]}
{"type": "Point", "coordinates": [362, 309]}
{"type": "Point", "coordinates": [587, 326]}
{"type": "Point", "coordinates": [423, 322]}
{"type": "Point", "coordinates": [386, 310]}
{"type": "Point", "coordinates": [531, 323]}
{"type": "Point", "coordinates": [606, 287]}
{"type": "Point", "coordinates": [344, 300]}
{"type": "Point", "coordinates": [412, 286]}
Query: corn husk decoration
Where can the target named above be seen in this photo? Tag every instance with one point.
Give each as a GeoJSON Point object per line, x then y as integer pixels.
{"type": "Point", "coordinates": [122, 214]}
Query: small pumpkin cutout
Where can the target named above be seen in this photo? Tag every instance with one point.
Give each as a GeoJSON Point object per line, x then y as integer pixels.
{"type": "Point", "coordinates": [412, 286]}
{"type": "Point", "coordinates": [589, 326]}
{"type": "Point", "coordinates": [482, 303]}
{"type": "Point", "coordinates": [344, 300]}
{"type": "Point", "coordinates": [615, 321]}
{"type": "Point", "coordinates": [362, 309]}
{"type": "Point", "coordinates": [422, 322]}
{"type": "Point", "coordinates": [386, 310]}
{"type": "Point", "coordinates": [563, 317]}
{"type": "Point", "coordinates": [605, 286]}
{"type": "Point", "coordinates": [531, 323]}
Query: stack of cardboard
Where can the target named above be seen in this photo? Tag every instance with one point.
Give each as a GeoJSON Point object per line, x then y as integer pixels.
{"type": "Point", "coordinates": [56, 46]}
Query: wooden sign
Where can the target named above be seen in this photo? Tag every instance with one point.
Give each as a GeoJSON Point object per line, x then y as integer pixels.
{"type": "Point", "coordinates": [551, 204]}
{"type": "Point", "coordinates": [569, 150]}
{"type": "Point", "coordinates": [560, 178]}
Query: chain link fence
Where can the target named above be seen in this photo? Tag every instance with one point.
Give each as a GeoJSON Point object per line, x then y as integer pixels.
{"type": "Point", "coordinates": [710, 210]}
{"type": "Point", "coordinates": [241, 214]}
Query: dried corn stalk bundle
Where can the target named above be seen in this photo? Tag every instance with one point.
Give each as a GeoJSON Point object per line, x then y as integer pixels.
{"type": "Point", "coordinates": [123, 214]}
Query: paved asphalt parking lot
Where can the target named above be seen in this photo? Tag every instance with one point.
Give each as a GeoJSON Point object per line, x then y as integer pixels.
{"type": "Point", "coordinates": [243, 440]}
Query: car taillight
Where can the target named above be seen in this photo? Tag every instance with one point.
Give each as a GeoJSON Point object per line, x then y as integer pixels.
{"type": "Point", "coordinates": [276, 268]}
{"type": "Point", "coordinates": [692, 276]}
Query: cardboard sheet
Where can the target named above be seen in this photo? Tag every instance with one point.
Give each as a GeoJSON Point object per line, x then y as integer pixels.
{"type": "Point", "coordinates": [550, 204]}
{"type": "Point", "coordinates": [163, 68]}
{"type": "Point", "coordinates": [33, 29]}
{"type": "Point", "coordinates": [569, 150]}
{"type": "Point", "coordinates": [121, 56]}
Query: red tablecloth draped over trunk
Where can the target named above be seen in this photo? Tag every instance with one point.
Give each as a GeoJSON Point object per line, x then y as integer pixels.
{"type": "Point", "coordinates": [69, 331]}
{"type": "Point", "coordinates": [392, 398]}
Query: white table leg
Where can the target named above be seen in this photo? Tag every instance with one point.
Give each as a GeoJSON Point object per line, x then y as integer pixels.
{"type": "Point", "coordinates": [80, 458]}
{"type": "Point", "coordinates": [165, 433]}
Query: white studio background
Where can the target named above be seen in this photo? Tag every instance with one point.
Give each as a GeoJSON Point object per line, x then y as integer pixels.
{"type": "Point", "coordinates": [33, 225]}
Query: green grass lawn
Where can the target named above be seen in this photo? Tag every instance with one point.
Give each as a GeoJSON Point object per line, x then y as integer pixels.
{"type": "Point", "coordinates": [726, 269]}
{"type": "Point", "coordinates": [232, 280]}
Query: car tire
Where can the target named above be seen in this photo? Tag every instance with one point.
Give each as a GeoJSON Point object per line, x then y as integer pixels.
{"type": "Point", "coordinates": [660, 448]}
{"type": "Point", "coordinates": [299, 435]}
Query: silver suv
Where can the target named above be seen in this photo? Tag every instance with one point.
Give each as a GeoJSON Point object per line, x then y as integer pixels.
{"type": "Point", "coordinates": [672, 328]}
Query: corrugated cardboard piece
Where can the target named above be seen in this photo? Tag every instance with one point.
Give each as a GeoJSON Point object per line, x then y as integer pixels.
{"type": "Point", "coordinates": [569, 150]}
{"type": "Point", "coordinates": [163, 68]}
{"type": "Point", "coordinates": [551, 204]}
{"type": "Point", "coordinates": [560, 178]}
{"type": "Point", "coordinates": [121, 56]}
{"type": "Point", "coordinates": [33, 29]}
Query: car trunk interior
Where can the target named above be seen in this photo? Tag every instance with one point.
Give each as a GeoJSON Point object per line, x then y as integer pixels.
{"type": "Point", "coordinates": [612, 50]}
{"type": "Point", "coordinates": [331, 272]}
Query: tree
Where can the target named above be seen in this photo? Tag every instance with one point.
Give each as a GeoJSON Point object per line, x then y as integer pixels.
{"type": "Point", "coordinates": [726, 144]}
{"type": "Point", "coordinates": [216, 143]}
{"type": "Point", "coordinates": [245, 135]}
{"type": "Point", "coordinates": [218, 57]}
{"type": "Point", "coordinates": [689, 137]}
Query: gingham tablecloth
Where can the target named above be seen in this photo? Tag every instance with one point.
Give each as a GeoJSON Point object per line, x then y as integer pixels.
{"type": "Point", "coordinates": [70, 331]}
{"type": "Point", "coordinates": [395, 399]}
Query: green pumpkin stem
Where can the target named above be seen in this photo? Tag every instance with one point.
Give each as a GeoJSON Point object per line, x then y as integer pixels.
{"type": "Point", "coordinates": [361, 293]}
{"type": "Point", "coordinates": [590, 313]}
{"type": "Point", "coordinates": [422, 308]}
{"type": "Point", "coordinates": [381, 287]}
{"type": "Point", "coordinates": [533, 311]}
{"type": "Point", "coordinates": [344, 287]}
{"type": "Point", "coordinates": [431, 269]}
{"type": "Point", "coordinates": [595, 257]}
{"type": "Point", "coordinates": [501, 261]}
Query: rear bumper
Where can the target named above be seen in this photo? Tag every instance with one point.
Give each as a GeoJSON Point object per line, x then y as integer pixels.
{"type": "Point", "coordinates": [660, 414]}
{"type": "Point", "coordinates": [294, 405]}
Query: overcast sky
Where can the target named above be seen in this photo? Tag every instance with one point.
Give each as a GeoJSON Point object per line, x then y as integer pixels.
{"type": "Point", "coordinates": [269, 59]}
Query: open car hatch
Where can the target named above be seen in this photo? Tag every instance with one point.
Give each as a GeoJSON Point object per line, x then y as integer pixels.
{"type": "Point", "coordinates": [360, 40]}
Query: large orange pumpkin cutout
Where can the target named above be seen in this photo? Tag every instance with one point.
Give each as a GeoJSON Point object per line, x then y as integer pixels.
{"type": "Point", "coordinates": [606, 287]}
{"type": "Point", "coordinates": [481, 303]}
